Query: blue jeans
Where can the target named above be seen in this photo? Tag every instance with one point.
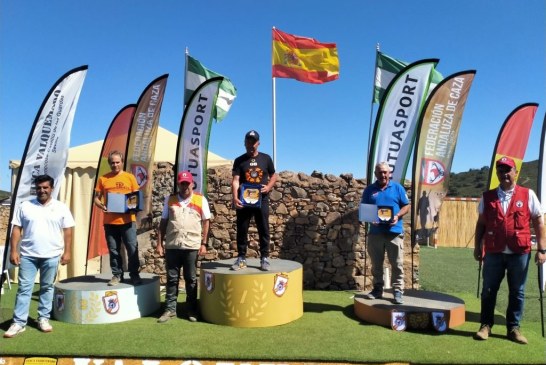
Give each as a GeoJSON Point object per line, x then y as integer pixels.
{"type": "Point", "coordinates": [28, 268]}
{"type": "Point", "coordinates": [115, 235]}
{"type": "Point", "coordinates": [494, 267]}
{"type": "Point", "coordinates": [187, 261]}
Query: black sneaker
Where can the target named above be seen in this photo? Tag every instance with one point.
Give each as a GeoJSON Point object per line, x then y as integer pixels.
{"type": "Point", "coordinates": [136, 280]}
{"type": "Point", "coordinates": [374, 294]}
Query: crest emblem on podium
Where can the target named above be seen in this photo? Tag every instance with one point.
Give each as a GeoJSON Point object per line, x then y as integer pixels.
{"type": "Point", "coordinates": [280, 284]}
{"type": "Point", "coordinates": [209, 282]}
{"type": "Point", "coordinates": [111, 302]}
{"type": "Point", "coordinates": [398, 320]}
{"type": "Point", "coordinates": [439, 321]}
{"type": "Point", "coordinates": [59, 300]}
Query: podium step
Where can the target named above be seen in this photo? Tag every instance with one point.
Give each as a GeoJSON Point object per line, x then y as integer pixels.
{"type": "Point", "coordinates": [251, 297]}
{"type": "Point", "coordinates": [89, 300]}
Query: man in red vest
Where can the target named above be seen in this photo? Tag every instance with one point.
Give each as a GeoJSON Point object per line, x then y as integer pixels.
{"type": "Point", "coordinates": [505, 214]}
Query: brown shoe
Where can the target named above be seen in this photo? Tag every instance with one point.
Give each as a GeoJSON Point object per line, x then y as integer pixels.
{"type": "Point", "coordinates": [166, 316]}
{"type": "Point", "coordinates": [515, 335]}
{"type": "Point", "coordinates": [114, 281]}
{"type": "Point", "coordinates": [483, 333]}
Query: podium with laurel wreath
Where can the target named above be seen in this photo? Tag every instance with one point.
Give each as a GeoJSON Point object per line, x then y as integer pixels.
{"type": "Point", "coordinates": [251, 297]}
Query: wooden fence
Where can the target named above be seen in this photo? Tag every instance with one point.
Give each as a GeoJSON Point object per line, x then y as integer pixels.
{"type": "Point", "coordinates": [457, 222]}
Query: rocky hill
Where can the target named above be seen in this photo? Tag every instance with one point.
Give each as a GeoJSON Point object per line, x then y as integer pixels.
{"type": "Point", "coordinates": [473, 182]}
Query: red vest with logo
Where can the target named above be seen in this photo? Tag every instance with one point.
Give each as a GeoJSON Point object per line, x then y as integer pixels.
{"type": "Point", "coordinates": [511, 229]}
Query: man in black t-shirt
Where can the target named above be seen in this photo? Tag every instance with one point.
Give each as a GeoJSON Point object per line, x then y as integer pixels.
{"type": "Point", "coordinates": [255, 168]}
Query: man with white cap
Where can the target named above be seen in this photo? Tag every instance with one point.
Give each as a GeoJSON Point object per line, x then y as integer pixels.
{"type": "Point", "coordinates": [182, 236]}
{"type": "Point", "coordinates": [503, 242]}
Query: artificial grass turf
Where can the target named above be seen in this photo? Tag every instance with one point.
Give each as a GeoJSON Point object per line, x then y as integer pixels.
{"type": "Point", "coordinates": [328, 331]}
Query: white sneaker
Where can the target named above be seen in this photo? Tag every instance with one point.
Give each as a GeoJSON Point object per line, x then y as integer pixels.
{"type": "Point", "coordinates": [14, 330]}
{"type": "Point", "coordinates": [44, 326]}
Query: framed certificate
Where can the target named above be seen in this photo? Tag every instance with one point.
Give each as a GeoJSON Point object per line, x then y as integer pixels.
{"type": "Point", "coordinates": [367, 213]}
{"type": "Point", "coordinates": [251, 195]}
{"type": "Point", "coordinates": [124, 203]}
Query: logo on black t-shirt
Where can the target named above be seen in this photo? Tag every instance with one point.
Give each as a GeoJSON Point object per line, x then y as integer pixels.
{"type": "Point", "coordinates": [254, 175]}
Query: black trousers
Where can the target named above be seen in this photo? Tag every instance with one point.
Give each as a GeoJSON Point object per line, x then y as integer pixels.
{"type": "Point", "coordinates": [261, 217]}
{"type": "Point", "coordinates": [185, 260]}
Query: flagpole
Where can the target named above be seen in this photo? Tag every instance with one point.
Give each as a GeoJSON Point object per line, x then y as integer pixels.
{"type": "Point", "coordinates": [366, 227]}
{"type": "Point", "coordinates": [274, 125]}
{"type": "Point", "coordinates": [540, 292]}
{"type": "Point", "coordinates": [186, 54]}
{"type": "Point", "coordinates": [373, 97]}
{"type": "Point", "coordinates": [274, 106]}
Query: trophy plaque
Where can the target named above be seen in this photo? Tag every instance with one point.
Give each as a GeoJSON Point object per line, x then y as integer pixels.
{"type": "Point", "coordinates": [385, 213]}
{"type": "Point", "coordinates": [251, 195]}
{"type": "Point", "coordinates": [134, 201]}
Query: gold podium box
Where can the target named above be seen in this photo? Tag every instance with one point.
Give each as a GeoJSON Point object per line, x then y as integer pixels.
{"type": "Point", "coordinates": [251, 297]}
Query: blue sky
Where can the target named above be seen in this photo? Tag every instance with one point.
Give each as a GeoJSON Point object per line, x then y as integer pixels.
{"type": "Point", "coordinates": [128, 43]}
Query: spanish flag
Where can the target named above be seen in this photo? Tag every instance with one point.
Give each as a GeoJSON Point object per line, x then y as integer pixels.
{"type": "Point", "coordinates": [304, 59]}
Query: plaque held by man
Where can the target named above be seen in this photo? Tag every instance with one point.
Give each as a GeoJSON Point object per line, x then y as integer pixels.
{"type": "Point", "coordinates": [385, 214]}
{"type": "Point", "coordinates": [251, 195]}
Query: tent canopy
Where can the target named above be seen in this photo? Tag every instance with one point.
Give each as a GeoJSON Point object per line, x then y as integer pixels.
{"type": "Point", "coordinates": [77, 192]}
{"type": "Point", "coordinates": [87, 155]}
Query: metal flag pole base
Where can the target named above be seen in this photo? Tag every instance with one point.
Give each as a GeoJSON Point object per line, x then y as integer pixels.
{"type": "Point", "coordinates": [540, 293]}
{"type": "Point", "coordinates": [479, 278]}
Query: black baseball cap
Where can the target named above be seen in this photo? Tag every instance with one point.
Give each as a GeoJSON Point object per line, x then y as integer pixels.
{"type": "Point", "coordinates": [252, 134]}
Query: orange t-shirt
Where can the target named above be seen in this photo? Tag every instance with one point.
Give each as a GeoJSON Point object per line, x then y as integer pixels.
{"type": "Point", "coordinates": [123, 183]}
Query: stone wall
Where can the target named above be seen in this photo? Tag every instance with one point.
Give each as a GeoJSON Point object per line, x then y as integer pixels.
{"type": "Point", "coordinates": [313, 220]}
{"type": "Point", "coordinates": [4, 220]}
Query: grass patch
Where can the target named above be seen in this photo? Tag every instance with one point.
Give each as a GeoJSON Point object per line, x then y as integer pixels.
{"type": "Point", "coordinates": [328, 331]}
{"type": "Point", "coordinates": [454, 270]}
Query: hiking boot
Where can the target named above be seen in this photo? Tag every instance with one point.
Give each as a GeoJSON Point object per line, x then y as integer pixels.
{"type": "Point", "coordinates": [515, 335]}
{"type": "Point", "coordinates": [136, 280]}
{"type": "Point", "coordinates": [114, 281]}
{"type": "Point", "coordinates": [166, 316]}
{"type": "Point", "coordinates": [239, 264]}
{"type": "Point", "coordinates": [14, 330]}
{"type": "Point", "coordinates": [44, 326]}
{"type": "Point", "coordinates": [483, 333]}
{"type": "Point", "coordinates": [374, 294]}
{"type": "Point", "coordinates": [264, 264]}
{"type": "Point", "coordinates": [398, 297]}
